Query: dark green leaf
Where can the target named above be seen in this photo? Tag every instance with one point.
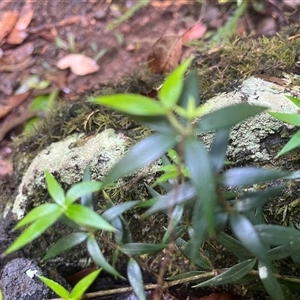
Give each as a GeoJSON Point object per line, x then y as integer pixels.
{"type": "Point", "coordinates": [39, 212]}
{"type": "Point", "coordinates": [65, 243]}
{"type": "Point", "coordinates": [218, 149]}
{"type": "Point", "coordinates": [126, 237]}
{"type": "Point", "coordinates": [34, 231]}
{"type": "Point", "coordinates": [293, 143]}
{"type": "Point", "coordinates": [255, 216]}
{"type": "Point", "coordinates": [269, 281]}
{"type": "Point", "coordinates": [202, 176]}
{"type": "Point", "coordinates": [277, 235]}
{"type": "Point", "coordinates": [231, 275]}
{"type": "Point", "coordinates": [199, 259]}
{"type": "Point", "coordinates": [249, 175]}
{"type": "Point", "coordinates": [85, 216]}
{"type": "Point", "coordinates": [172, 87]}
{"type": "Point", "coordinates": [118, 210]}
{"type": "Point", "coordinates": [55, 190]}
{"type": "Point", "coordinates": [246, 233]}
{"type": "Point", "coordinates": [287, 294]}
{"type": "Point", "coordinates": [143, 153]}
{"type": "Point", "coordinates": [136, 279]}
{"type": "Point", "coordinates": [98, 258]}
{"type": "Point", "coordinates": [118, 235]}
{"type": "Point", "coordinates": [185, 275]}
{"type": "Point", "coordinates": [133, 104]}
{"type": "Point", "coordinates": [284, 251]}
{"type": "Point", "coordinates": [87, 199]}
{"type": "Point", "coordinates": [228, 116]}
{"type": "Point", "coordinates": [253, 200]}
{"type": "Point", "coordinates": [234, 246]}
{"type": "Point", "coordinates": [293, 119]}
{"type": "Point", "coordinates": [80, 288]}
{"type": "Point", "coordinates": [80, 189]}
{"type": "Point", "coordinates": [180, 194]}
{"type": "Point", "coordinates": [54, 286]}
{"type": "Point", "coordinates": [190, 90]}
{"type": "Point", "coordinates": [141, 248]}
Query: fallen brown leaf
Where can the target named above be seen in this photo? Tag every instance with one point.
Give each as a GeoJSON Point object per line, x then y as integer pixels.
{"type": "Point", "coordinates": [79, 64]}
{"type": "Point", "coordinates": [8, 20]}
{"type": "Point", "coordinates": [25, 17]}
{"type": "Point", "coordinates": [194, 33]}
{"type": "Point", "coordinates": [165, 54]}
{"type": "Point", "coordinates": [16, 37]}
{"type": "Point", "coordinates": [217, 296]}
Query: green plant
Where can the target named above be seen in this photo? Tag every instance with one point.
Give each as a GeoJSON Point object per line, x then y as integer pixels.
{"type": "Point", "coordinates": [78, 290]}
{"type": "Point", "coordinates": [70, 45]}
{"type": "Point", "coordinates": [201, 199]}
{"type": "Point", "coordinates": [293, 119]}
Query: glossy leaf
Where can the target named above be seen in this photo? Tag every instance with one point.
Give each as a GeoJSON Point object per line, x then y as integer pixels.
{"type": "Point", "coordinates": [249, 175]}
{"type": "Point", "coordinates": [98, 258]}
{"type": "Point", "coordinates": [65, 243]}
{"type": "Point", "coordinates": [34, 231]}
{"type": "Point", "coordinates": [293, 143]}
{"type": "Point", "coordinates": [253, 200]}
{"type": "Point", "coordinates": [284, 251]}
{"type": "Point", "coordinates": [231, 275]}
{"type": "Point", "coordinates": [80, 288]}
{"type": "Point", "coordinates": [136, 279]}
{"type": "Point", "coordinates": [56, 287]}
{"type": "Point", "coordinates": [180, 194]}
{"type": "Point", "coordinates": [277, 235]}
{"type": "Point", "coordinates": [118, 235]}
{"type": "Point", "coordinates": [246, 233]}
{"type": "Point", "coordinates": [218, 149]}
{"type": "Point", "coordinates": [55, 190]}
{"type": "Point", "coordinates": [172, 87]}
{"type": "Point", "coordinates": [199, 259]}
{"type": "Point", "coordinates": [39, 212]}
{"type": "Point", "coordinates": [228, 116]}
{"type": "Point", "coordinates": [132, 104]}
{"type": "Point", "coordinates": [201, 173]}
{"type": "Point", "coordinates": [269, 281]}
{"type": "Point", "coordinates": [87, 199]}
{"type": "Point", "coordinates": [81, 189]}
{"type": "Point", "coordinates": [85, 216]}
{"type": "Point", "coordinates": [237, 248]}
{"type": "Point", "coordinates": [141, 248]}
{"type": "Point", "coordinates": [118, 210]}
{"type": "Point", "coordinates": [141, 154]}
{"type": "Point", "coordinates": [293, 119]}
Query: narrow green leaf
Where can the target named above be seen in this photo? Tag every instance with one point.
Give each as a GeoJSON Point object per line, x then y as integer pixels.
{"type": "Point", "coordinates": [293, 119]}
{"type": "Point", "coordinates": [80, 189]}
{"type": "Point", "coordinates": [34, 231]}
{"type": "Point", "coordinates": [253, 200]}
{"type": "Point", "coordinates": [80, 288]}
{"type": "Point", "coordinates": [141, 248]}
{"type": "Point", "coordinates": [277, 235]}
{"type": "Point", "coordinates": [293, 143]}
{"type": "Point", "coordinates": [185, 275]}
{"type": "Point", "coordinates": [127, 236]}
{"type": "Point", "coordinates": [55, 190]}
{"type": "Point", "coordinates": [234, 246]}
{"type": "Point", "coordinates": [98, 258]}
{"type": "Point", "coordinates": [199, 259]}
{"type": "Point", "coordinates": [284, 251]}
{"type": "Point", "coordinates": [296, 101]}
{"type": "Point", "coordinates": [117, 210]}
{"type": "Point", "coordinates": [85, 216]}
{"type": "Point", "coordinates": [39, 212]}
{"type": "Point", "coordinates": [228, 116]}
{"type": "Point", "coordinates": [246, 233]}
{"type": "Point", "coordinates": [118, 235]}
{"type": "Point", "coordinates": [132, 104]}
{"type": "Point", "coordinates": [56, 287]}
{"type": "Point", "coordinates": [231, 275]}
{"type": "Point", "coordinates": [269, 281]}
{"type": "Point", "coordinates": [141, 154]}
{"type": "Point", "coordinates": [180, 194]}
{"type": "Point", "coordinates": [87, 199]}
{"type": "Point", "coordinates": [249, 175]}
{"type": "Point", "coordinates": [202, 176]}
{"type": "Point", "coordinates": [136, 279]}
{"type": "Point", "coordinates": [218, 149]}
{"type": "Point", "coordinates": [172, 87]}
{"type": "Point", "coordinates": [65, 243]}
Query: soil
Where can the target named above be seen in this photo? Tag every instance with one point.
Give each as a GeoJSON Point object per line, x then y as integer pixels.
{"type": "Point", "coordinates": [124, 49]}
